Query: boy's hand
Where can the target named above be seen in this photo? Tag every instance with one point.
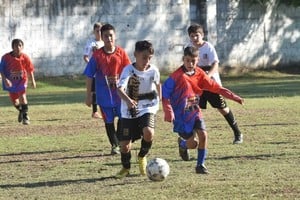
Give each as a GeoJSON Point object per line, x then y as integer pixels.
{"type": "Point", "coordinates": [88, 100]}
{"type": "Point", "coordinates": [7, 83]}
{"type": "Point", "coordinates": [33, 84]}
{"type": "Point", "coordinates": [169, 114]}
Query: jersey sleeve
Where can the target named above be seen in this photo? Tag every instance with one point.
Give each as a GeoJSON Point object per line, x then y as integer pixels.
{"type": "Point", "coordinates": [28, 64]}
{"type": "Point", "coordinates": [90, 69]}
{"type": "Point", "coordinates": [124, 77]}
{"type": "Point", "coordinates": [167, 88]}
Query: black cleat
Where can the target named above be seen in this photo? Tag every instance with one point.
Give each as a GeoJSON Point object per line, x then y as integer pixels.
{"type": "Point", "coordinates": [238, 139]}
{"type": "Point", "coordinates": [201, 169]}
{"type": "Point", "coordinates": [183, 152]}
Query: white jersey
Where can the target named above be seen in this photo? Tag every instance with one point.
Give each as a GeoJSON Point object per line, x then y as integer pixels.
{"type": "Point", "coordinates": [208, 56]}
{"type": "Point", "coordinates": [91, 46]}
{"type": "Point", "coordinates": [148, 80]}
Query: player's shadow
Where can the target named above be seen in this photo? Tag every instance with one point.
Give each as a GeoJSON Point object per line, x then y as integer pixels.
{"type": "Point", "coordinates": [21, 157]}
{"type": "Point", "coordinates": [54, 183]}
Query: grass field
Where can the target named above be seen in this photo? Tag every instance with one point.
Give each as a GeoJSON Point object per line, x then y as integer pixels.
{"type": "Point", "coordinates": [64, 153]}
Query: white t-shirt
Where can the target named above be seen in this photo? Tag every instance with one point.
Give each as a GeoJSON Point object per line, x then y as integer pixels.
{"type": "Point", "coordinates": [91, 46]}
{"type": "Point", "coordinates": [208, 56]}
{"type": "Point", "coordinates": [148, 80]}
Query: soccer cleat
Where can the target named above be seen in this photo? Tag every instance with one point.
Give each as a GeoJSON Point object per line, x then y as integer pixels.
{"type": "Point", "coordinates": [96, 115]}
{"type": "Point", "coordinates": [25, 119]}
{"type": "Point", "coordinates": [115, 150]}
{"type": "Point", "coordinates": [142, 164]}
{"type": "Point", "coordinates": [238, 139]}
{"type": "Point", "coordinates": [201, 169]}
{"type": "Point", "coordinates": [123, 173]}
{"type": "Point", "coordinates": [183, 152]}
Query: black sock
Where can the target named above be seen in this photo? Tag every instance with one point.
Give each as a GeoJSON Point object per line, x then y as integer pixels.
{"type": "Point", "coordinates": [24, 110]}
{"type": "Point", "coordinates": [232, 123]}
{"type": "Point", "coordinates": [111, 134]}
{"type": "Point", "coordinates": [145, 147]}
{"type": "Point", "coordinates": [18, 107]}
{"type": "Point", "coordinates": [94, 102]}
{"type": "Point", "coordinates": [125, 159]}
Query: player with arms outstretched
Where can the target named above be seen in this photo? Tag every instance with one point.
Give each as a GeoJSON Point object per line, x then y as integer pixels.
{"type": "Point", "coordinates": [209, 62]}
{"type": "Point", "coordinates": [181, 94]}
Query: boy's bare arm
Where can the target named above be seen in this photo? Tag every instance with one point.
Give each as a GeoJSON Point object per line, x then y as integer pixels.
{"type": "Point", "coordinates": [88, 99]}
{"type": "Point", "coordinates": [230, 95]}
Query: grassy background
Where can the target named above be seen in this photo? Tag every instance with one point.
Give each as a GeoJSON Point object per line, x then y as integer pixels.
{"type": "Point", "coordinates": [64, 153]}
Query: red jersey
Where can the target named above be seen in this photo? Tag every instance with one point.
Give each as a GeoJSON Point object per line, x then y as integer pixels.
{"type": "Point", "coordinates": [15, 69]}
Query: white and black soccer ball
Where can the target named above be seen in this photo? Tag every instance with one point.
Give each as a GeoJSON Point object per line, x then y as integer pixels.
{"type": "Point", "coordinates": [157, 169]}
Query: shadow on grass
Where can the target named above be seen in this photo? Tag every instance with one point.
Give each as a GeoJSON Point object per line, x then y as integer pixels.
{"type": "Point", "coordinates": [21, 156]}
{"type": "Point", "coordinates": [55, 183]}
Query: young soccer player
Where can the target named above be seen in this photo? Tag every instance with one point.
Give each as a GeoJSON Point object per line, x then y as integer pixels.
{"type": "Point", "coordinates": [209, 62]}
{"type": "Point", "coordinates": [92, 45]}
{"type": "Point", "coordinates": [15, 68]}
{"type": "Point", "coordinates": [139, 89]}
{"type": "Point", "coordinates": [181, 94]}
{"type": "Point", "coordinates": [106, 65]}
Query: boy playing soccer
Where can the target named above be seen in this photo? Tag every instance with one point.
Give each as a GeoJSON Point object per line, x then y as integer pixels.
{"type": "Point", "coordinates": [92, 45]}
{"type": "Point", "coordinates": [139, 89]}
{"type": "Point", "coordinates": [106, 66]}
{"type": "Point", "coordinates": [181, 94]}
{"type": "Point", "coordinates": [209, 62]}
{"type": "Point", "coordinates": [15, 68]}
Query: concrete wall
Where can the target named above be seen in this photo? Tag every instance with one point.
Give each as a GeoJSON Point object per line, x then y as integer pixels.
{"type": "Point", "coordinates": [256, 36]}
{"type": "Point", "coordinates": [55, 31]}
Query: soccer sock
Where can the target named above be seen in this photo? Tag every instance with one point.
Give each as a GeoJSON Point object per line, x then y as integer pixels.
{"type": "Point", "coordinates": [18, 107]}
{"type": "Point", "coordinates": [111, 134]}
{"type": "Point", "coordinates": [125, 159]}
{"type": "Point", "coordinates": [94, 102]}
{"type": "Point", "coordinates": [201, 156]}
{"type": "Point", "coordinates": [183, 144]}
{"type": "Point", "coordinates": [24, 109]}
{"type": "Point", "coordinates": [232, 123]}
{"type": "Point", "coordinates": [145, 147]}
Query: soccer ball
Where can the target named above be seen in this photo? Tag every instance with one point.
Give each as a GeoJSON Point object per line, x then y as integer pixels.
{"type": "Point", "coordinates": [157, 169]}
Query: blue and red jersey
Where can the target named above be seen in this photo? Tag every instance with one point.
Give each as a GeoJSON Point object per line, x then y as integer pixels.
{"type": "Point", "coordinates": [107, 69]}
{"type": "Point", "coordinates": [15, 69]}
{"type": "Point", "coordinates": [183, 92]}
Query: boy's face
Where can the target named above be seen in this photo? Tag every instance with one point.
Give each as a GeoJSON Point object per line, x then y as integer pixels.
{"type": "Point", "coordinates": [190, 62]}
{"type": "Point", "coordinates": [143, 58]}
{"type": "Point", "coordinates": [17, 48]}
{"type": "Point", "coordinates": [109, 38]}
{"type": "Point", "coordinates": [196, 38]}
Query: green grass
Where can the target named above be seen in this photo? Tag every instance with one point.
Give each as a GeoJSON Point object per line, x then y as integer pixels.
{"type": "Point", "coordinates": [64, 154]}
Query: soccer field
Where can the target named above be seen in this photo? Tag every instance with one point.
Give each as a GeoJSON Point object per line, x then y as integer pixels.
{"type": "Point", "coordinates": [65, 154]}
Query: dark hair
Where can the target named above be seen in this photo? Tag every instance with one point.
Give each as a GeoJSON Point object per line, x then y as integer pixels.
{"type": "Point", "coordinates": [194, 28]}
{"type": "Point", "coordinates": [97, 25]}
{"type": "Point", "coordinates": [144, 45]}
{"type": "Point", "coordinates": [16, 42]}
{"type": "Point", "coordinates": [107, 27]}
{"type": "Point", "coordinates": [191, 51]}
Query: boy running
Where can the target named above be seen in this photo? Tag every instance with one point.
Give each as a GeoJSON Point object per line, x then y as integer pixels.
{"type": "Point", "coordinates": [139, 89]}
{"type": "Point", "coordinates": [181, 94]}
{"type": "Point", "coordinates": [209, 62]}
{"type": "Point", "coordinates": [15, 68]}
{"type": "Point", "coordinates": [106, 66]}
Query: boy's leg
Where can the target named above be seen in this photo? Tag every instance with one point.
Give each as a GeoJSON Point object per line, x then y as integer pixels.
{"type": "Point", "coordinates": [95, 113]}
{"type": "Point", "coordinates": [125, 159]}
{"type": "Point", "coordinates": [24, 113]}
{"type": "Point", "coordinates": [202, 151]}
{"type": "Point", "coordinates": [111, 134]}
{"type": "Point", "coordinates": [147, 124]}
{"type": "Point", "coordinates": [218, 101]}
{"type": "Point", "coordinates": [238, 137]}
